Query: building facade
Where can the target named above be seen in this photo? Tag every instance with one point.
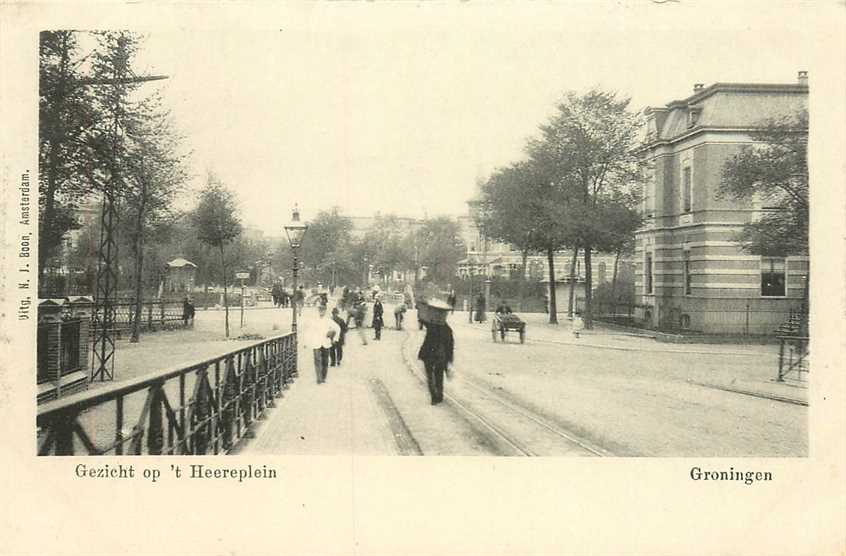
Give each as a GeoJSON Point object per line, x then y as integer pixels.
{"type": "Point", "coordinates": [690, 271]}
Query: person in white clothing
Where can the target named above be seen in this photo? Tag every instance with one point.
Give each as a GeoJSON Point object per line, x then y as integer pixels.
{"type": "Point", "coordinates": [578, 324]}
{"type": "Point", "coordinates": [319, 336]}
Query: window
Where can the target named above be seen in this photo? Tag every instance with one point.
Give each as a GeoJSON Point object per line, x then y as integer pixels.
{"type": "Point", "coordinates": [688, 289]}
{"type": "Point", "coordinates": [693, 113]}
{"type": "Point", "coordinates": [687, 189]}
{"type": "Point", "coordinates": [773, 277]}
{"type": "Point", "coordinates": [649, 192]}
{"type": "Point", "coordinates": [647, 274]}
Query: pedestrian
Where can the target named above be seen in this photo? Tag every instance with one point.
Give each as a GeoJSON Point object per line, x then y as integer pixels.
{"type": "Point", "coordinates": [320, 336]}
{"type": "Point", "coordinates": [451, 300]}
{"type": "Point", "coordinates": [188, 312]}
{"type": "Point", "coordinates": [578, 324]}
{"type": "Point", "coordinates": [359, 312]}
{"type": "Point", "coordinates": [480, 308]}
{"type": "Point", "coordinates": [399, 315]}
{"type": "Point", "coordinates": [438, 348]}
{"type": "Point", "coordinates": [378, 313]}
{"type": "Point", "coordinates": [337, 352]}
{"type": "Point", "coordinates": [276, 293]}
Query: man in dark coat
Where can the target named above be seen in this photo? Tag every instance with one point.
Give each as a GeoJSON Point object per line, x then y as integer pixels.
{"type": "Point", "coordinates": [188, 312]}
{"type": "Point", "coordinates": [378, 316]}
{"type": "Point", "coordinates": [337, 352]}
{"type": "Point", "coordinates": [437, 351]}
{"type": "Point", "coordinates": [480, 308]}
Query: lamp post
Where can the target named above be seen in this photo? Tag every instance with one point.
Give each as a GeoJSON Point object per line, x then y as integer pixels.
{"type": "Point", "coordinates": [295, 230]}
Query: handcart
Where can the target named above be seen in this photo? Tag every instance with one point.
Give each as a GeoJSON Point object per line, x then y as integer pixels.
{"type": "Point", "coordinates": [504, 322]}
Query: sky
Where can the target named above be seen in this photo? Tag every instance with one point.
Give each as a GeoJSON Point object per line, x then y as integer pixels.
{"type": "Point", "coordinates": [401, 110]}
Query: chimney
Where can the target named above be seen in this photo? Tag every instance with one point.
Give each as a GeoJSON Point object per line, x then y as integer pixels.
{"type": "Point", "coordinates": [698, 87]}
{"type": "Point", "coordinates": [802, 78]}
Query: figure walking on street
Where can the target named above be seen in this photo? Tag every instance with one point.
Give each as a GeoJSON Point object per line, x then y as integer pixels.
{"type": "Point", "coordinates": [320, 336]}
{"type": "Point", "coordinates": [578, 324]}
{"type": "Point", "coordinates": [437, 349]}
{"type": "Point", "coordinates": [337, 352]}
{"type": "Point", "coordinates": [378, 316]}
{"type": "Point", "coordinates": [480, 308]}
{"type": "Point", "coordinates": [359, 312]}
{"type": "Point", "coordinates": [188, 312]}
{"type": "Point", "coordinates": [399, 315]}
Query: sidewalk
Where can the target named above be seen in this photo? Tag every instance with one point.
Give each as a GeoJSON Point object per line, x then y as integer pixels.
{"type": "Point", "coordinates": [740, 368]}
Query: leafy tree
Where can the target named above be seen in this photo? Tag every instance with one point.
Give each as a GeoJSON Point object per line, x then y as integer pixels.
{"type": "Point", "coordinates": [217, 224]}
{"type": "Point", "coordinates": [382, 245]}
{"type": "Point", "coordinates": [774, 172]}
{"type": "Point", "coordinates": [156, 172]}
{"type": "Point", "coordinates": [620, 222]}
{"type": "Point", "coordinates": [512, 215]}
{"type": "Point", "coordinates": [524, 207]}
{"type": "Point", "coordinates": [588, 151]}
{"type": "Point", "coordinates": [327, 248]}
{"type": "Point", "coordinates": [438, 246]}
{"type": "Point", "coordinates": [67, 115]}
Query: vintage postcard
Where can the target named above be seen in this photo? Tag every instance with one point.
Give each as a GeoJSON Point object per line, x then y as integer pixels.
{"type": "Point", "coordinates": [423, 277]}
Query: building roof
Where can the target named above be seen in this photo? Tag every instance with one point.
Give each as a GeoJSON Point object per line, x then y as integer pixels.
{"type": "Point", "coordinates": [179, 263]}
{"type": "Point", "coordinates": [725, 106]}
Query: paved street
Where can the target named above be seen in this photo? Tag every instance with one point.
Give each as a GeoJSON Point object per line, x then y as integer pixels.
{"type": "Point", "coordinates": [604, 393]}
{"type": "Point", "coordinates": [601, 394]}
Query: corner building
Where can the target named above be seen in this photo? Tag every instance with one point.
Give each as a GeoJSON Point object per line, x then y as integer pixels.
{"type": "Point", "coordinates": [689, 271]}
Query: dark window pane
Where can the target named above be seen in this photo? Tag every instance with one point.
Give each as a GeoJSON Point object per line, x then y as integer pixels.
{"type": "Point", "coordinates": [773, 278]}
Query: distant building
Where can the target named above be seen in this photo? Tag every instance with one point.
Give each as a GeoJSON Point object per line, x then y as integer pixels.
{"type": "Point", "coordinates": [179, 277]}
{"type": "Point", "coordinates": [361, 224]}
{"type": "Point", "coordinates": [690, 272]}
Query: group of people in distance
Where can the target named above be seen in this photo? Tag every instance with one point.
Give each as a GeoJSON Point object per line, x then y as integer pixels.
{"type": "Point", "coordinates": [326, 335]}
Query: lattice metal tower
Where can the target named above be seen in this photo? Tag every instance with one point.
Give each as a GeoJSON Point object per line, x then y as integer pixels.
{"type": "Point", "coordinates": [103, 362]}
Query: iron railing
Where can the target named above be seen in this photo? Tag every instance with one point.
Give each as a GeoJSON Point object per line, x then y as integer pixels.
{"type": "Point", "coordinates": [206, 407]}
{"type": "Point", "coordinates": [793, 357]}
{"type": "Point", "coordinates": [155, 314]}
{"type": "Point", "coordinates": [744, 319]}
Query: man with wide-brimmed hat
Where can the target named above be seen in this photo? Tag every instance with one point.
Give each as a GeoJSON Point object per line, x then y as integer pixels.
{"type": "Point", "coordinates": [438, 346]}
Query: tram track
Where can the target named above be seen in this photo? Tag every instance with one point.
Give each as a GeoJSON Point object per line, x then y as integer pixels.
{"type": "Point", "coordinates": [553, 439]}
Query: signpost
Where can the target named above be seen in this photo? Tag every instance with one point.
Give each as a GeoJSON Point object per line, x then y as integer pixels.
{"type": "Point", "coordinates": [242, 276]}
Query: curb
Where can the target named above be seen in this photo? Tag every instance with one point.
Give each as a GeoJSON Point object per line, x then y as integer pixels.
{"type": "Point", "coordinates": [751, 393]}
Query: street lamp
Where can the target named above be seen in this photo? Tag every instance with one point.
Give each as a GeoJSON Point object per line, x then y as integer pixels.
{"type": "Point", "coordinates": [295, 230]}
